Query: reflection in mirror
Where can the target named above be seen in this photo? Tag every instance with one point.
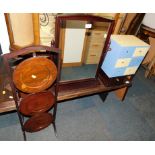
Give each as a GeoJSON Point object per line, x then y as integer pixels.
{"type": "Point", "coordinates": [81, 43]}
{"type": "Point", "coordinates": [5, 88]}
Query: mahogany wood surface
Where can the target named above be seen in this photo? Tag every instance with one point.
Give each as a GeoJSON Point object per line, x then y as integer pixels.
{"type": "Point", "coordinates": [36, 103]}
{"type": "Point", "coordinates": [13, 105]}
{"type": "Point", "coordinates": [78, 88]}
{"type": "Point", "coordinates": [34, 74]}
{"type": "Point", "coordinates": [31, 49]}
{"type": "Point", "coordinates": [38, 122]}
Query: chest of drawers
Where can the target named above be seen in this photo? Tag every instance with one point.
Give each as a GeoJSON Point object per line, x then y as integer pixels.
{"type": "Point", "coordinates": [95, 46]}
{"type": "Point", "coordinates": [126, 52]}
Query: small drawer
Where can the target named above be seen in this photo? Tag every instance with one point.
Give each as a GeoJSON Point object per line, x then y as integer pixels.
{"type": "Point", "coordinates": [96, 52]}
{"type": "Point", "coordinates": [140, 52]}
{"type": "Point", "coordinates": [122, 62]}
{"type": "Point", "coordinates": [126, 52]}
{"type": "Point", "coordinates": [98, 33]}
{"type": "Point", "coordinates": [136, 61]}
{"type": "Point", "coordinates": [118, 72]}
{"type": "Point", "coordinates": [93, 59]}
{"type": "Point", "coordinates": [96, 46]}
{"type": "Point", "coordinates": [131, 70]}
{"type": "Point", "coordinates": [97, 40]}
{"type": "Point", "coordinates": [98, 36]}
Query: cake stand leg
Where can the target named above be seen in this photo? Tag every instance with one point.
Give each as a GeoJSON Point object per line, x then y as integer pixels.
{"type": "Point", "coordinates": [55, 130]}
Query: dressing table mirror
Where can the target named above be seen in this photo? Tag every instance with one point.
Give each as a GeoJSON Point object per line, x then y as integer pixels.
{"type": "Point", "coordinates": [83, 40]}
{"type": "Point", "coordinates": [82, 44]}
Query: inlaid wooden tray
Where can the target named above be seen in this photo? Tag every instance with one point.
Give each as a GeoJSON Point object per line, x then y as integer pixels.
{"type": "Point", "coordinates": [38, 122]}
{"type": "Point", "coordinates": [34, 74]}
{"type": "Point", "coordinates": [36, 103]}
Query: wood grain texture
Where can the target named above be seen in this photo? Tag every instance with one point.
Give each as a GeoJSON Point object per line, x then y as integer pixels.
{"type": "Point", "coordinates": [36, 103]}
{"type": "Point", "coordinates": [38, 122]}
{"type": "Point", "coordinates": [121, 93]}
{"type": "Point", "coordinates": [78, 88]}
{"type": "Point", "coordinates": [13, 105]}
{"type": "Point", "coordinates": [36, 28]}
{"type": "Point", "coordinates": [34, 74]}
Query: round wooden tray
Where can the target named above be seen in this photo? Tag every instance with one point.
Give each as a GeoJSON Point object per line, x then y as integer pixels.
{"type": "Point", "coordinates": [34, 74]}
{"type": "Point", "coordinates": [38, 122]}
{"type": "Point", "coordinates": [36, 103]}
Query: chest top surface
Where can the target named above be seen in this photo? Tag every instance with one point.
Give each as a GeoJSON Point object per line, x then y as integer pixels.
{"type": "Point", "coordinates": [128, 40]}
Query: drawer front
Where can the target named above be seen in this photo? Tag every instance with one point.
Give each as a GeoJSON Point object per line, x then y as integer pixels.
{"type": "Point", "coordinates": [130, 70]}
{"type": "Point", "coordinates": [96, 47]}
{"type": "Point", "coordinates": [95, 52]}
{"type": "Point", "coordinates": [118, 72]}
{"type": "Point", "coordinates": [140, 52]}
{"type": "Point", "coordinates": [98, 34]}
{"type": "Point", "coordinates": [136, 61]}
{"type": "Point", "coordinates": [122, 62]}
{"type": "Point", "coordinates": [97, 37]}
{"type": "Point", "coordinates": [93, 59]}
{"type": "Point", "coordinates": [96, 40]}
{"type": "Point", "coordinates": [126, 52]}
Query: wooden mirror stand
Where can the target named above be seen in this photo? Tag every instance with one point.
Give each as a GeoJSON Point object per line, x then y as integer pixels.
{"type": "Point", "coordinates": [101, 83]}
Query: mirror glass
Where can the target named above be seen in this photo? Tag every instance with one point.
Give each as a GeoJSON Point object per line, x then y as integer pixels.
{"type": "Point", "coordinates": [81, 43]}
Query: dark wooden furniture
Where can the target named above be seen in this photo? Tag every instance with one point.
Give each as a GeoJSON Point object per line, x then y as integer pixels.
{"type": "Point", "coordinates": [145, 32]}
{"type": "Point", "coordinates": [135, 23]}
{"type": "Point", "coordinates": [148, 35]}
{"type": "Point", "coordinates": [100, 83]}
{"type": "Point", "coordinates": [35, 105]}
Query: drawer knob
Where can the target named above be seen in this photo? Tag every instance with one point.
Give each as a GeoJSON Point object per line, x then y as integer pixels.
{"type": "Point", "coordinates": [88, 33]}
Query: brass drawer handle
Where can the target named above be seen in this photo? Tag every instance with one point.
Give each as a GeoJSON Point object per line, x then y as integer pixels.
{"type": "Point", "coordinates": [93, 55]}
{"type": "Point", "coordinates": [97, 33]}
{"type": "Point", "coordinates": [95, 45]}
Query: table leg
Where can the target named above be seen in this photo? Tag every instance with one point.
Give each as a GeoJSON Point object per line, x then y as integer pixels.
{"type": "Point", "coordinates": [103, 96]}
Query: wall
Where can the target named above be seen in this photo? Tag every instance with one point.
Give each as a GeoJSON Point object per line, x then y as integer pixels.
{"type": "Point", "coordinates": [4, 38]}
{"type": "Point", "coordinates": [149, 20]}
{"type": "Point", "coordinates": [47, 28]}
{"type": "Point", "coordinates": [22, 28]}
{"type": "Point", "coordinates": [47, 25]}
{"type": "Point", "coordinates": [73, 48]}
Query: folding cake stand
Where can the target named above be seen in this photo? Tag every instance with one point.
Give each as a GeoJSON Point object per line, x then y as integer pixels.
{"type": "Point", "coordinates": [34, 84]}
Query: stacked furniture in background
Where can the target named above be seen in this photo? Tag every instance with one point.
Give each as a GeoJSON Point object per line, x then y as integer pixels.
{"type": "Point", "coordinates": [149, 61]}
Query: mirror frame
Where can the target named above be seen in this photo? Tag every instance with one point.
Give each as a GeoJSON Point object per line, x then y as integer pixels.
{"type": "Point", "coordinates": [82, 17]}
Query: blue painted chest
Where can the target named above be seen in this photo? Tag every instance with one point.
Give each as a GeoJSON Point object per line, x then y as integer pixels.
{"type": "Point", "coordinates": [125, 55]}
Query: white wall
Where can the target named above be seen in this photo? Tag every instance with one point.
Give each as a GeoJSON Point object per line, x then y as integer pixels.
{"type": "Point", "coordinates": [149, 20]}
{"type": "Point", "coordinates": [74, 40]}
{"type": "Point", "coordinates": [4, 38]}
